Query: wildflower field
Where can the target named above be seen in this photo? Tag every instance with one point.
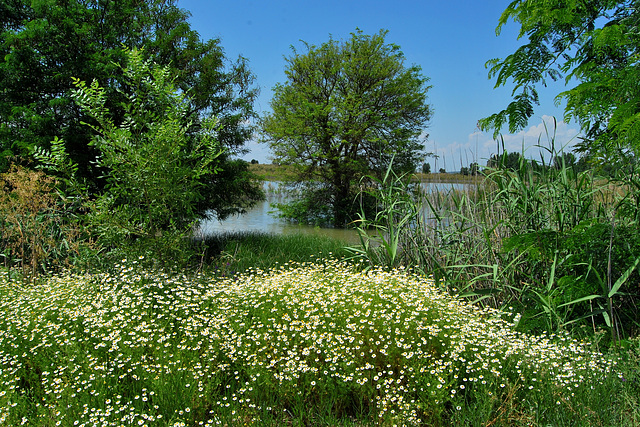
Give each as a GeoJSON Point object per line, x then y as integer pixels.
{"type": "Point", "coordinates": [304, 344]}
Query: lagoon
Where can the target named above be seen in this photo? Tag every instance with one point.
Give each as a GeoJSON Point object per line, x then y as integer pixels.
{"type": "Point", "coordinates": [263, 217]}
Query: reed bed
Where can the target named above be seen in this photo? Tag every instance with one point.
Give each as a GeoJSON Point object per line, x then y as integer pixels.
{"type": "Point", "coordinates": [560, 245]}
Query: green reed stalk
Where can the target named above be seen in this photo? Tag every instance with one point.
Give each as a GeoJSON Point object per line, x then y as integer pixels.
{"type": "Point", "coordinates": [535, 236]}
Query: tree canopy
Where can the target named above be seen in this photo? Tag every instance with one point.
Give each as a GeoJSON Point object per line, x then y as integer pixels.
{"type": "Point", "coordinates": [159, 171]}
{"type": "Point", "coordinates": [346, 110]}
{"type": "Point", "coordinates": [44, 44]}
{"type": "Point", "coordinates": [593, 43]}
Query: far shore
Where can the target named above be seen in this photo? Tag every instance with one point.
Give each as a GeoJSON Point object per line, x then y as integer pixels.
{"type": "Point", "coordinates": [271, 172]}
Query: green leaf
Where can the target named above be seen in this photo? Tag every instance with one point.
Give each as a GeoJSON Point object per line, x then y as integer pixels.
{"type": "Point", "coordinates": [622, 279]}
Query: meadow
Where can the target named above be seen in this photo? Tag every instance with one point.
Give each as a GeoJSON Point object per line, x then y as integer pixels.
{"type": "Point", "coordinates": [317, 343]}
{"type": "Point", "coordinates": [508, 302]}
{"type": "Point", "coordinates": [274, 172]}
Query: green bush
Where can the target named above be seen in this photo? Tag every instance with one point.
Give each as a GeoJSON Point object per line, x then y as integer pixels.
{"type": "Point", "coordinates": [157, 165]}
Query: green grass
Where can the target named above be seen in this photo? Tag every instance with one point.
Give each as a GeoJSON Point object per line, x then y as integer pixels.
{"type": "Point", "coordinates": [230, 253]}
{"type": "Point", "coordinates": [271, 172]}
{"type": "Point", "coordinates": [560, 245]}
{"type": "Point", "coordinates": [274, 330]}
{"type": "Point", "coordinates": [304, 344]}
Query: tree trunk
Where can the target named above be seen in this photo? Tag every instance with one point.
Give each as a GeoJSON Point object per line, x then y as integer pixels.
{"type": "Point", "coordinates": [342, 200]}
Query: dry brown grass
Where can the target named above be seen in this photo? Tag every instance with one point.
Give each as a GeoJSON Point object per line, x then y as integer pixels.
{"type": "Point", "coordinates": [271, 172]}
{"type": "Point", "coordinates": [35, 234]}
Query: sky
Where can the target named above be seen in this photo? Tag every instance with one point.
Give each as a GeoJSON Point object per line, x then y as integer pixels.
{"type": "Point", "coordinates": [450, 41]}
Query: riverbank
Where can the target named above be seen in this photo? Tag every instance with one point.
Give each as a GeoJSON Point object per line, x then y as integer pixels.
{"type": "Point", "coordinates": [284, 332]}
{"type": "Point", "coordinates": [271, 172]}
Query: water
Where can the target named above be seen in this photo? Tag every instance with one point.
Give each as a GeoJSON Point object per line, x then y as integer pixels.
{"type": "Point", "coordinates": [262, 218]}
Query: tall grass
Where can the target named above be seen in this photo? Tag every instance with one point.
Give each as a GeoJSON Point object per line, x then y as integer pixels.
{"type": "Point", "coordinates": [231, 253]}
{"type": "Point", "coordinates": [40, 231]}
{"type": "Point", "coordinates": [547, 239]}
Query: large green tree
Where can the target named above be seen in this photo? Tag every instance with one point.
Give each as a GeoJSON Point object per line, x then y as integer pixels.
{"type": "Point", "coordinates": [346, 109]}
{"type": "Point", "coordinates": [593, 45]}
{"type": "Point", "coordinates": [46, 43]}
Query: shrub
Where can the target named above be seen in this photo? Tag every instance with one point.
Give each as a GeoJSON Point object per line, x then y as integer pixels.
{"type": "Point", "coordinates": [157, 166]}
{"type": "Point", "coordinates": [39, 231]}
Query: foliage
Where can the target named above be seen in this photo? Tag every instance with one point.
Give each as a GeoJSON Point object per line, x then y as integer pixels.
{"type": "Point", "coordinates": [158, 165]}
{"type": "Point", "coordinates": [305, 344]}
{"type": "Point", "coordinates": [345, 110]}
{"type": "Point", "coordinates": [231, 253]}
{"type": "Point", "coordinates": [551, 240]}
{"type": "Point", "coordinates": [312, 205]}
{"type": "Point", "coordinates": [46, 43]}
{"type": "Point", "coordinates": [474, 168]}
{"type": "Point", "coordinates": [506, 160]}
{"type": "Point", "coordinates": [38, 232]}
{"type": "Point", "coordinates": [389, 237]}
{"type": "Point", "coordinates": [592, 43]}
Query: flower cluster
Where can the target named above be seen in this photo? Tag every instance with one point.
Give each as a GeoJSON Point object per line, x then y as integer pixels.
{"type": "Point", "coordinates": [140, 347]}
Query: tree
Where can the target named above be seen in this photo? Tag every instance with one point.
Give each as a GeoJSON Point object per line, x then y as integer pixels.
{"type": "Point", "coordinates": [509, 161]}
{"type": "Point", "coordinates": [346, 110]}
{"type": "Point", "coordinates": [426, 168]}
{"type": "Point", "coordinates": [159, 165]}
{"type": "Point", "coordinates": [595, 43]}
{"type": "Point", "coordinates": [46, 43]}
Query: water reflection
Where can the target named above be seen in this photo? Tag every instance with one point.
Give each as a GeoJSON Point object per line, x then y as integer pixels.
{"type": "Point", "coordinates": [262, 218]}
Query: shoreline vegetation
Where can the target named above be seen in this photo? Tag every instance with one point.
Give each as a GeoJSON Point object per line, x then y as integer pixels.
{"type": "Point", "coordinates": [273, 172]}
{"type": "Point", "coordinates": [488, 308]}
{"type": "Point", "coordinates": [297, 330]}
{"type": "Point", "coordinates": [509, 298]}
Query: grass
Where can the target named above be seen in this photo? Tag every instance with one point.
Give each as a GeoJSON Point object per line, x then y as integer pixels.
{"type": "Point", "coordinates": [453, 178]}
{"type": "Point", "coordinates": [230, 253]}
{"type": "Point", "coordinates": [304, 344]}
{"type": "Point", "coordinates": [271, 172]}
{"type": "Point", "coordinates": [559, 245]}
{"type": "Point", "coordinates": [277, 330]}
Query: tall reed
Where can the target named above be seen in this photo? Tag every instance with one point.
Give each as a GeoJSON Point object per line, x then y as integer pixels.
{"type": "Point", "coordinates": [39, 229]}
{"type": "Point", "coordinates": [548, 239]}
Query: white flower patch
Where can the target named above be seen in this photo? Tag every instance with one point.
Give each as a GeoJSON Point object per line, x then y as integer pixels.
{"type": "Point", "coordinates": [135, 347]}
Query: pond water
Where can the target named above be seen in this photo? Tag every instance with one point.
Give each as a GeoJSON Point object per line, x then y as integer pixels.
{"type": "Point", "coordinates": [263, 218]}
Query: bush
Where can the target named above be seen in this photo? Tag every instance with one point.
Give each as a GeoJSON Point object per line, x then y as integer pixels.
{"type": "Point", "coordinates": [40, 231]}
{"type": "Point", "coordinates": [157, 166]}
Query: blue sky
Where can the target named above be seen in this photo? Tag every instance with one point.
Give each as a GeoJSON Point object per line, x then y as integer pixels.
{"type": "Point", "coordinates": [450, 41]}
